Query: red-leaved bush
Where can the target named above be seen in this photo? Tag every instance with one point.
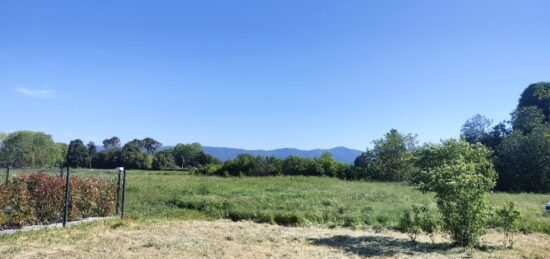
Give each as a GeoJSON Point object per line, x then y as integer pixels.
{"type": "Point", "coordinates": [40, 199]}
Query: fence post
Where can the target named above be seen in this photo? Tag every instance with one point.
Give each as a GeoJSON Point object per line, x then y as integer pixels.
{"type": "Point", "coordinates": [7, 175]}
{"type": "Point", "coordinates": [118, 190]}
{"type": "Point", "coordinates": [61, 171]}
{"type": "Point", "coordinates": [123, 193]}
{"type": "Point", "coordinates": [67, 197]}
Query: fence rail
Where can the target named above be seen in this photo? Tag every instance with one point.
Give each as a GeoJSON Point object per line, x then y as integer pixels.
{"type": "Point", "coordinates": [116, 176]}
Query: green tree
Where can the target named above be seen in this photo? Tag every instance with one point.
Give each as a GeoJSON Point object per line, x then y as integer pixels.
{"type": "Point", "coordinates": [151, 145]}
{"type": "Point", "coordinates": [133, 156]}
{"type": "Point", "coordinates": [62, 157]}
{"type": "Point", "coordinates": [525, 119]}
{"type": "Point", "coordinates": [108, 159]}
{"type": "Point", "coordinates": [537, 95]}
{"type": "Point", "coordinates": [476, 128]}
{"type": "Point", "coordinates": [77, 154]}
{"type": "Point", "coordinates": [293, 165]}
{"type": "Point", "coordinates": [92, 153]}
{"type": "Point", "coordinates": [187, 154]}
{"type": "Point", "coordinates": [495, 136]}
{"type": "Point", "coordinates": [164, 160]}
{"type": "Point", "coordinates": [460, 174]}
{"type": "Point", "coordinates": [111, 143]}
{"type": "Point", "coordinates": [523, 161]}
{"type": "Point", "coordinates": [391, 159]}
{"type": "Point", "coordinates": [29, 149]}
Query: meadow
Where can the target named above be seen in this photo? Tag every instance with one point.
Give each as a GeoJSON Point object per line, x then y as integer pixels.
{"type": "Point", "coordinates": [295, 201]}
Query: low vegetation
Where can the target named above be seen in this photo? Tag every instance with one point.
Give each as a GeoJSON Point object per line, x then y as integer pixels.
{"type": "Point", "coordinates": [297, 200]}
{"type": "Point", "coordinates": [39, 199]}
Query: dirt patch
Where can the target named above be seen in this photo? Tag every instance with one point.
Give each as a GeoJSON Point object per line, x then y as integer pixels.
{"type": "Point", "coordinates": [226, 239]}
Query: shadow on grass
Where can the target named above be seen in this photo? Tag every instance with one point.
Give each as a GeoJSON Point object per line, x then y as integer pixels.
{"type": "Point", "coordinates": [379, 246]}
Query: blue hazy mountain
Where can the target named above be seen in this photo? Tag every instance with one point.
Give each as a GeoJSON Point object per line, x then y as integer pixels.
{"type": "Point", "coordinates": [341, 154]}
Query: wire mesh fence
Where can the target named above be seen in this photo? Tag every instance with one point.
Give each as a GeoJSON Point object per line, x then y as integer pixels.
{"type": "Point", "coordinates": [31, 196]}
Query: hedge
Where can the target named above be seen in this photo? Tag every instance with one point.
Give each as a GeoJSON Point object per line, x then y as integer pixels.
{"type": "Point", "coordinates": [38, 198]}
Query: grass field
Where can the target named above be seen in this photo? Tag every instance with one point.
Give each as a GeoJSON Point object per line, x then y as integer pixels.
{"type": "Point", "coordinates": [294, 201]}
{"type": "Point", "coordinates": [171, 214]}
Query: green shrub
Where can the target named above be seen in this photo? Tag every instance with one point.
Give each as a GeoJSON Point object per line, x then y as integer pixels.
{"type": "Point", "coordinates": [460, 174]}
{"type": "Point", "coordinates": [417, 220]}
{"type": "Point", "coordinates": [429, 224]}
{"type": "Point", "coordinates": [508, 218]}
{"type": "Point", "coordinates": [409, 223]}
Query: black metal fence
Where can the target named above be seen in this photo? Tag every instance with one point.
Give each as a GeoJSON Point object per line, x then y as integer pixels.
{"type": "Point", "coordinates": [117, 176]}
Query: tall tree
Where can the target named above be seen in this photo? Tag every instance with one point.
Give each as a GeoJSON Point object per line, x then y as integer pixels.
{"type": "Point", "coordinates": [92, 153]}
{"type": "Point", "coordinates": [29, 149]}
{"type": "Point", "coordinates": [476, 128]}
{"type": "Point", "coordinates": [133, 156]}
{"type": "Point", "coordinates": [527, 118]}
{"type": "Point", "coordinates": [151, 145]}
{"type": "Point", "coordinates": [537, 95]}
{"type": "Point", "coordinates": [391, 159]}
{"type": "Point", "coordinates": [77, 154]}
{"type": "Point", "coordinates": [187, 154]}
{"type": "Point", "coordinates": [111, 143]}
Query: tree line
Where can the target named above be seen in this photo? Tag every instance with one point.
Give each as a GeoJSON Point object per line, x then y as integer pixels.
{"type": "Point", "coordinates": [519, 152]}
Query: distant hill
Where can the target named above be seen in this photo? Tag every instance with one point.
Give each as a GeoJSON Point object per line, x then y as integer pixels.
{"type": "Point", "coordinates": [340, 154]}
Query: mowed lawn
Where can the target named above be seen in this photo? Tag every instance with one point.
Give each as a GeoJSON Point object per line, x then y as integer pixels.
{"type": "Point", "coordinates": [294, 201]}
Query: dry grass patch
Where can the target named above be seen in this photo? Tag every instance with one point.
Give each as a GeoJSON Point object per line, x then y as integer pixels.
{"type": "Point", "coordinates": [226, 239]}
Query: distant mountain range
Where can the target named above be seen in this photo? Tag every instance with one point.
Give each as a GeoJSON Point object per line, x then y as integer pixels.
{"type": "Point", "coordinates": [340, 154]}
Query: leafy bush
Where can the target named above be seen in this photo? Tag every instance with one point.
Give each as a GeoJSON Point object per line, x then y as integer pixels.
{"type": "Point", "coordinates": [16, 206]}
{"type": "Point", "coordinates": [508, 218]}
{"type": "Point", "coordinates": [417, 220]}
{"type": "Point", "coordinates": [410, 223]}
{"type": "Point", "coordinates": [460, 174]}
{"type": "Point", "coordinates": [39, 199]}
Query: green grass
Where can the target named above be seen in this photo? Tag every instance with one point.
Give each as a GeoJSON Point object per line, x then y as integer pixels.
{"type": "Point", "coordinates": [294, 201]}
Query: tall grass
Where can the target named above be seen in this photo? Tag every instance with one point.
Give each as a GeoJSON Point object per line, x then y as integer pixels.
{"type": "Point", "coordinates": [294, 201]}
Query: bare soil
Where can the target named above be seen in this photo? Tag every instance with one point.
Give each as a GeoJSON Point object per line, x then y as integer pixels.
{"type": "Point", "coordinates": [226, 239]}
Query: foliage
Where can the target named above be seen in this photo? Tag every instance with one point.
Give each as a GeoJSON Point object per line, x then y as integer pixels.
{"type": "Point", "coordinates": [508, 219]}
{"type": "Point", "coordinates": [108, 159]}
{"type": "Point", "coordinates": [92, 153]}
{"type": "Point", "coordinates": [391, 158]}
{"type": "Point", "coordinates": [151, 145]}
{"type": "Point", "coordinates": [536, 95]}
{"type": "Point", "coordinates": [77, 154]}
{"type": "Point", "coordinates": [475, 128]}
{"type": "Point", "coordinates": [496, 135]}
{"type": "Point", "coordinates": [187, 154]}
{"type": "Point", "coordinates": [417, 220]}
{"type": "Point", "coordinates": [39, 199]}
{"type": "Point", "coordinates": [248, 165]}
{"type": "Point", "coordinates": [410, 223]}
{"type": "Point", "coordinates": [460, 174]}
{"type": "Point", "coordinates": [523, 162]}
{"type": "Point", "coordinates": [133, 156]}
{"type": "Point", "coordinates": [29, 149]}
{"type": "Point", "coordinates": [526, 119]}
{"type": "Point", "coordinates": [164, 160]}
{"type": "Point", "coordinates": [111, 143]}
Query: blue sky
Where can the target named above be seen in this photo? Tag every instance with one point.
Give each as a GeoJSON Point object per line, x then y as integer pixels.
{"type": "Point", "coordinates": [265, 74]}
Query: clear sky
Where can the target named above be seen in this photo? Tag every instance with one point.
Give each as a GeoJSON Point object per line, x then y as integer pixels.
{"type": "Point", "coordinates": [265, 74]}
